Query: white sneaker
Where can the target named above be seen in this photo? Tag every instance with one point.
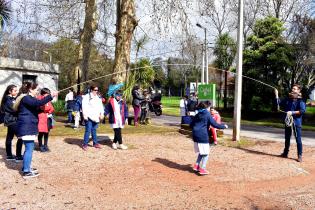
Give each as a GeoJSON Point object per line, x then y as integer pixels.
{"type": "Point", "coordinates": [123, 147]}
{"type": "Point", "coordinates": [114, 146]}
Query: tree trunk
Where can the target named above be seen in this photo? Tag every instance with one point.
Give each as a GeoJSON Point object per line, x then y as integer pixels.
{"type": "Point", "coordinates": [86, 37]}
{"type": "Point", "coordinates": [126, 23]}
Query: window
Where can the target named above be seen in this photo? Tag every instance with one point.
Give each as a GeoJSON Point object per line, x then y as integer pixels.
{"type": "Point", "coordinates": [28, 78]}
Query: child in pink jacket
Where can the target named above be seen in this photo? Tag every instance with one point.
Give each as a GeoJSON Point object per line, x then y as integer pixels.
{"type": "Point", "coordinates": [44, 121]}
{"type": "Point", "coordinates": [216, 116]}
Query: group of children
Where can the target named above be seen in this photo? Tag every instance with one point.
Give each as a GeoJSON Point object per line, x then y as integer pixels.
{"type": "Point", "coordinates": [28, 116]}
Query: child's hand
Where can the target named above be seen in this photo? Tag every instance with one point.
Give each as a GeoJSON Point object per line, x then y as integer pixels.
{"type": "Point", "coordinates": [54, 94]}
{"type": "Point", "coordinates": [226, 126]}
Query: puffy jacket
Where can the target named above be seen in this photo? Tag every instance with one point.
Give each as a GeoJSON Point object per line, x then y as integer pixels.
{"type": "Point", "coordinates": [78, 103]}
{"type": "Point", "coordinates": [28, 109]}
{"type": "Point", "coordinates": [10, 115]}
{"type": "Point", "coordinates": [200, 126]}
{"type": "Point", "coordinates": [43, 116]}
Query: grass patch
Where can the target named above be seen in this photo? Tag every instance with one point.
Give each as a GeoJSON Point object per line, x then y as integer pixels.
{"type": "Point", "coordinates": [172, 111]}
{"type": "Point", "coordinates": [62, 131]}
{"type": "Point", "coordinates": [243, 143]}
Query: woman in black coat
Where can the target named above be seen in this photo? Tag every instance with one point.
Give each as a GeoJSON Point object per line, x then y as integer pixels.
{"type": "Point", "coordinates": [137, 98]}
{"type": "Point", "coordinates": [10, 118]}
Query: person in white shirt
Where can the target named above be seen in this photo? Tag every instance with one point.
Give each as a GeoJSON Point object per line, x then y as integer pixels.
{"type": "Point", "coordinates": [93, 113]}
{"type": "Point", "coordinates": [70, 104]}
{"type": "Point", "coordinates": [183, 107]}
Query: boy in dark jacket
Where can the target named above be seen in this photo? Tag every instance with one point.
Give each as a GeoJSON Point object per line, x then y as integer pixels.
{"type": "Point", "coordinates": [294, 107]}
{"type": "Point", "coordinates": [200, 133]}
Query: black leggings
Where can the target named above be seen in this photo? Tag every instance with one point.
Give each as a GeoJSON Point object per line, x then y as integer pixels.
{"type": "Point", "coordinates": [40, 138]}
{"type": "Point", "coordinates": [11, 132]}
{"type": "Point", "coordinates": [117, 137]}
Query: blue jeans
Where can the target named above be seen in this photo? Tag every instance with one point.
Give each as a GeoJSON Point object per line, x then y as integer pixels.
{"type": "Point", "coordinates": [90, 127]}
{"type": "Point", "coordinates": [69, 117]}
{"type": "Point", "coordinates": [202, 160]}
{"type": "Point", "coordinates": [297, 133]}
{"type": "Point", "coordinates": [28, 155]}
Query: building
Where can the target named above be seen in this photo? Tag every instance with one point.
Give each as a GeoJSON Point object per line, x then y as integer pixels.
{"type": "Point", "coordinates": [17, 71]}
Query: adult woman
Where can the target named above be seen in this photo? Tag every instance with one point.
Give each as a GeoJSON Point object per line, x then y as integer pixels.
{"type": "Point", "coordinates": [136, 100]}
{"type": "Point", "coordinates": [93, 113]}
{"type": "Point", "coordinates": [10, 118]}
{"type": "Point", "coordinates": [27, 106]}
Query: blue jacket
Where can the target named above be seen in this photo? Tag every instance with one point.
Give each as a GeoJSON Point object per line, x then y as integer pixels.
{"type": "Point", "coordinates": [109, 109]}
{"type": "Point", "coordinates": [28, 110]}
{"type": "Point", "coordinates": [289, 104]}
{"type": "Point", "coordinates": [200, 126]}
{"type": "Point", "coordinates": [78, 104]}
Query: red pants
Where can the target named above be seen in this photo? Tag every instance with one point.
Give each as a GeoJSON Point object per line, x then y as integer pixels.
{"type": "Point", "coordinates": [214, 134]}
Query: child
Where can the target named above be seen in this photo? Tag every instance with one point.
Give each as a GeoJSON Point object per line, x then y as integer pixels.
{"type": "Point", "coordinates": [144, 107]}
{"type": "Point", "coordinates": [77, 110]}
{"type": "Point", "coordinates": [118, 114]}
{"type": "Point", "coordinates": [216, 116]}
{"type": "Point", "coordinates": [43, 121]}
{"type": "Point", "coordinates": [200, 128]}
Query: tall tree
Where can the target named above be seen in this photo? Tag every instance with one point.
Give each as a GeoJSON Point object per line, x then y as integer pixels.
{"type": "Point", "coordinates": [224, 50]}
{"type": "Point", "coordinates": [267, 58]}
{"type": "Point", "coordinates": [125, 25]}
{"type": "Point", "coordinates": [5, 13]}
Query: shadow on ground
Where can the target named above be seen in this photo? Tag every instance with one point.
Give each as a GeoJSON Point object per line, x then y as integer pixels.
{"type": "Point", "coordinates": [251, 151]}
{"type": "Point", "coordinates": [12, 165]}
{"type": "Point", "coordinates": [103, 140]}
{"type": "Point", "coordinates": [174, 165]}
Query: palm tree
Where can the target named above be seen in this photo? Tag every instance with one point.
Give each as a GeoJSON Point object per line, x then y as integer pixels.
{"type": "Point", "coordinates": [5, 13]}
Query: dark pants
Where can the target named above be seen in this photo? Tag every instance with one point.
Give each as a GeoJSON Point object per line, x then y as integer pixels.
{"type": "Point", "coordinates": [11, 132]}
{"type": "Point", "coordinates": [117, 137]}
{"type": "Point", "coordinates": [297, 133]}
{"type": "Point", "coordinates": [136, 112]}
{"type": "Point", "coordinates": [143, 116]}
{"type": "Point", "coordinates": [70, 118]}
{"type": "Point", "coordinates": [40, 139]}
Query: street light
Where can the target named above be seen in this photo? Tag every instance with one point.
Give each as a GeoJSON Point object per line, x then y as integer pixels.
{"type": "Point", "coordinates": [204, 58]}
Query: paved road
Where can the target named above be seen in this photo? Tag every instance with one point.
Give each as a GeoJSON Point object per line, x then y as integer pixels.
{"type": "Point", "coordinates": [250, 131]}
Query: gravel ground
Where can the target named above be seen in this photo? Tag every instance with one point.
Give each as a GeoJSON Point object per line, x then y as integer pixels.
{"type": "Point", "coordinates": [155, 173]}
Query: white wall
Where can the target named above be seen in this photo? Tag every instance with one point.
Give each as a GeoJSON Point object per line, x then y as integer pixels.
{"type": "Point", "coordinates": [11, 71]}
{"type": "Point", "coordinates": [312, 95]}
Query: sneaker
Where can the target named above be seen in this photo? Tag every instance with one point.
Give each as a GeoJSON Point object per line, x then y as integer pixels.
{"type": "Point", "coordinates": [11, 158]}
{"type": "Point", "coordinates": [114, 146]}
{"type": "Point", "coordinates": [203, 171]}
{"type": "Point", "coordinates": [18, 159]}
{"type": "Point", "coordinates": [28, 175]}
{"type": "Point", "coordinates": [215, 142]}
{"type": "Point", "coordinates": [34, 170]}
{"type": "Point", "coordinates": [299, 158]}
{"type": "Point", "coordinates": [123, 147]}
{"type": "Point", "coordinates": [42, 149]}
{"type": "Point", "coordinates": [46, 149]}
{"type": "Point", "coordinates": [196, 167]}
{"type": "Point", "coordinates": [97, 146]}
{"type": "Point", "coordinates": [284, 155]}
{"type": "Point", "coordinates": [84, 147]}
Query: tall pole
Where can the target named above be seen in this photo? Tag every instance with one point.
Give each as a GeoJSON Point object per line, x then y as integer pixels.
{"type": "Point", "coordinates": [207, 61]}
{"type": "Point", "coordinates": [239, 69]}
{"type": "Point", "coordinates": [203, 67]}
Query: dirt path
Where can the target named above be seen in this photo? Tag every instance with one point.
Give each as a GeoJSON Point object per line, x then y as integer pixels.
{"type": "Point", "coordinates": [156, 174]}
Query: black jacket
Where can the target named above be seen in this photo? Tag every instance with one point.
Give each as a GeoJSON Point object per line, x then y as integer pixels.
{"type": "Point", "coordinates": [136, 98]}
{"type": "Point", "coordinates": [10, 116]}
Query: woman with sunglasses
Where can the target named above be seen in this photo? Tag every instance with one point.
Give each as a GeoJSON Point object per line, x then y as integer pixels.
{"type": "Point", "coordinates": [93, 113]}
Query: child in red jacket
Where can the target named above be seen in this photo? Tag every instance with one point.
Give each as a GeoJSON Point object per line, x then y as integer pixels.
{"type": "Point", "coordinates": [216, 116]}
{"type": "Point", "coordinates": [44, 121]}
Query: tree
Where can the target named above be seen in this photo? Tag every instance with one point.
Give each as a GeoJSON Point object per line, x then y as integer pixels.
{"type": "Point", "coordinates": [125, 25]}
{"type": "Point", "coordinates": [5, 13]}
{"type": "Point", "coordinates": [224, 50]}
{"type": "Point", "coordinates": [267, 58]}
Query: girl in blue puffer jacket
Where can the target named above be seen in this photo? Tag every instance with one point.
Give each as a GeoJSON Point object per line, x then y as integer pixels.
{"type": "Point", "coordinates": [200, 133]}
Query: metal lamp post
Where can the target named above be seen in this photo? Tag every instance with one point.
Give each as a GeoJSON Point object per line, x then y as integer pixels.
{"type": "Point", "coordinates": [204, 58]}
